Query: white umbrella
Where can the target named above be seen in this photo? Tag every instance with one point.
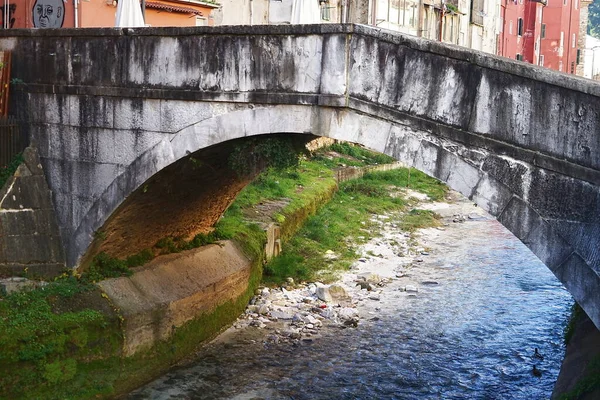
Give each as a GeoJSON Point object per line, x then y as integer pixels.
{"type": "Point", "coordinates": [306, 12]}
{"type": "Point", "coordinates": [129, 14]}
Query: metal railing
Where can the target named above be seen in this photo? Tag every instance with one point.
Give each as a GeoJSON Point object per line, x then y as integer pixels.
{"type": "Point", "coordinates": [12, 141]}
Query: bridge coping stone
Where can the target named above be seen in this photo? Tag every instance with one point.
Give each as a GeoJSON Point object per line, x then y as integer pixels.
{"type": "Point", "coordinates": [479, 58]}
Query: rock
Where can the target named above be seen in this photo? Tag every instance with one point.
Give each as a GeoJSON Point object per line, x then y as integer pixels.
{"type": "Point", "coordinates": [265, 292]}
{"type": "Point", "coordinates": [290, 281]}
{"type": "Point", "coordinates": [252, 309]}
{"type": "Point", "coordinates": [352, 322]}
{"type": "Point", "coordinates": [411, 288]}
{"type": "Point", "coordinates": [282, 315]}
{"type": "Point", "coordinates": [364, 285]}
{"type": "Point", "coordinates": [369, 277]}
{"type": "Point", "coordinates": [339, 294]}
{"type": "Point", "coordinates": [330, 255]}
{"type": "Point", "coordinates": [312, 288]}
{"type": "Point", "coordinates": [264, 309]}
{"type": "Point", "coordinates": [424, 253]}
{"type": "Point", "coordinates": [362, 260]}
{"type": "Point", "coordinates": [375, 297]}
{"type": "Point", "coordinates": [323, 293]}
{"type": "Point", "coordinates": [429, 283]}
{"type": "Point", "coordinates": [297, 318]}
{"type": "Point", "coordinates": [347, 313]}
{"type": "Point", "coordinates": [309, 326]}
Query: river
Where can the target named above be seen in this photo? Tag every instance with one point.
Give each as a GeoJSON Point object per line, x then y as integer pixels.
{"type": "Point", "coordinates": [479, 304]}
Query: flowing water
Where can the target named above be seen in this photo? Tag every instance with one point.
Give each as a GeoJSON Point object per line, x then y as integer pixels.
{"type": "Point", "coordinates": [484, 303]}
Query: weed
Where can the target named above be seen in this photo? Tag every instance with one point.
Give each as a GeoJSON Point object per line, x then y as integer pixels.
{"type": "Point", "coordinates": [7, 171]}
{"type": "Point", "coordinates": [576, 313]}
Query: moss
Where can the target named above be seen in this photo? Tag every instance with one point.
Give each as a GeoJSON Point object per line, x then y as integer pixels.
{"type": "Point", "coordinates": [576, 313]}
{"type": "Point", "coordinates": [588, 384]}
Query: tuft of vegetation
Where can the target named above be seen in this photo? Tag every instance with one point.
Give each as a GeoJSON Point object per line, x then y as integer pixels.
{"type": "Point", "coordinates": [576, 314]}
{"type": "Point", "coordinates": [257, 154]}
{"type": "Point", "coordinates": [7, 171]}
{"type": "Point", "coordinates": [359, 156]}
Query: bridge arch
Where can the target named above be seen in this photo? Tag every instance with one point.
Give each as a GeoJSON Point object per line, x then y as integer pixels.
{"type": "Point", "coordinates": [475, 172]}
{"type": "Point", "coordinates": [521, 141]}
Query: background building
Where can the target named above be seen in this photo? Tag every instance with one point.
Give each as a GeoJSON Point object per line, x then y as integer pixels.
{"type": "Point", "coordinates": [101, 13]}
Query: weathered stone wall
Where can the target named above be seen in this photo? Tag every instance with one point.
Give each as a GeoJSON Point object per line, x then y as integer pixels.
{"type": "Point", "coordinates": [29, 237]}
{"type": "Point", "coordinates": [110, 108]}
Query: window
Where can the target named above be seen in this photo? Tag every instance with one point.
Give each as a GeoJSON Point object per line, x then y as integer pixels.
{"type": "Point", "coordinates": [576, 4]}
{"type": "Point", "coordinates": [201, 21]}
{"type": "Point", "coordinates": [519, 57]}
{"type": "Point", "coordinates": [477, 11]}
{"type": "Point", "coordinates": [520, 27]}
{"type": "Point", "coordinates": [565, 2]}
{"type": "Point", "coordinates": [543, 31]}
{"type": "Point", "coordinates": [573, 67]}
{"type": "Point", "coordinates": [542, 60]}
{"type": "Point", "coordinates": [574, 41]}
{"type": "Point", "coordinates": [578, 56]}
{"type": "Point", "coordinates": [560, 66]}
{"type": "Point", "coordinates": [510, 28]}
{"type": "Point", "coordinates": [325, 10]}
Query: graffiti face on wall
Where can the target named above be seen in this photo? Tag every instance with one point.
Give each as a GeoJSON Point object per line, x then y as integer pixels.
{"type": "Point", "coordinates": [48, 13]}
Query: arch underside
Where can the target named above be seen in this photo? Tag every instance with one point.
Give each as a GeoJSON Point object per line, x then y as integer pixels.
{"type": "Point", "coordinates": [556, 216]}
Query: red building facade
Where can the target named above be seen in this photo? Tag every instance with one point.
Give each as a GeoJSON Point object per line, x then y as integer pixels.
{"type": "Point", "coordinates": [521, 26]}
{"type": "Point", "coordinates": [543, 33]}
{"type": "Point", "coordinates": [560, 35]}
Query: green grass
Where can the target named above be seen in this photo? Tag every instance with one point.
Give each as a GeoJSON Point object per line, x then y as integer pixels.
{"type": "Point", "coordinates": [345, 222]}
{"type": "Point", "coordinates": [44, 336]}
{"type": "Point", "coordinates": [7, 171]}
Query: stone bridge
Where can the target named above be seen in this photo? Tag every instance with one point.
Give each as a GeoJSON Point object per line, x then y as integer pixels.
{"type": "Point", "coordinates": [109, 108]}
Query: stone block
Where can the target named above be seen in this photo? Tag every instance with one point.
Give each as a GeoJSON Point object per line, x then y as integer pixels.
{"type": "Point", "coordinates": [583, 283]}
{"type": "Point", "coordinates": [513, 174]}
{"type": "Point", "coordinates": [403, 144]}
{"type": "Point", "coordinates": [31, 249]}
{"type": "Point", "coordinates": [28, 192]}
{"type": "Point", "coordinates": [519, 218]}
{"type": "Point", "coordinates": [547, 244]}
{"type": "Point", "coordinates": [427, 158]}
{"type": "Point", "coordinates": [333, 76]}
{"type": "Point", "coordinates": [491, 195]}
{"type": "Point", "coordinates": [39, 222]}
{"type": "Point", "coordinates": [91, 111]}
{"type": "Point", "coordinates": [137, 114]}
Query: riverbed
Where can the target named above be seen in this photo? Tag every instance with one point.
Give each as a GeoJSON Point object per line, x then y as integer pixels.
{"type": "Point", "coordinates": [453, 312]}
